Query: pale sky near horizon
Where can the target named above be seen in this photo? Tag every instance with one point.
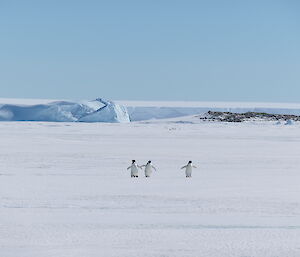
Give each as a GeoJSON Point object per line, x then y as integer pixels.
{"type": "Point", "coordinates": [151, 50]}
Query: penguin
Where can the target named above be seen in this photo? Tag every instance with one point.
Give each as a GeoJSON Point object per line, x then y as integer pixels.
{"type": "Point", "coordinates": [134, 169]}
{"type": "Point", "coordinates": [188, 169]}
{"type": "Point", "coordinates": [148, 169]}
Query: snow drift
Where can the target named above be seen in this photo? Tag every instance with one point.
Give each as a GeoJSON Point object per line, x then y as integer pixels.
{"type": "Point", "coordinates": [98, 110]}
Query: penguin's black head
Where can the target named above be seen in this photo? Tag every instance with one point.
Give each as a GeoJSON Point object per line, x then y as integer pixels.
{"type": "Point", "coordinates": [190, 161]}
{"type": "Point", "coordinates": [133, 161]}
{"type": "Point", "coordinates": [149, 161]}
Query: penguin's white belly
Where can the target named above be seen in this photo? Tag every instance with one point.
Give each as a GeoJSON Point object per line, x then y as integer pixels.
{"type": "Point", "coordinates": [134, 171]}
{"type": "Point", "coordinates": [148, 172]}
{"type": "Point", "coordinates": [188, 171]}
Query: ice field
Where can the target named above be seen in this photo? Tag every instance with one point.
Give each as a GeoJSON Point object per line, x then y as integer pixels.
{"type": "Point", "coordinates": [65, 190]}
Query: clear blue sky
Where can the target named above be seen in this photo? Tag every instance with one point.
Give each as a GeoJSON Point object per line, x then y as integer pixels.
{"type": "Point", "coordinates": [151, 50]}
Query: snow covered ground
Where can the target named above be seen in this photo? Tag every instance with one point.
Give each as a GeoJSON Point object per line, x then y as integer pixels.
{"type": "Point", "coordinates": [65, 190]}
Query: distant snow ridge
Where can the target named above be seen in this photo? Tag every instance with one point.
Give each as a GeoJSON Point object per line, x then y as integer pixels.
{"type": "Point", "coordinates": [98, 110]}
{"type": "Point", "coordinates": [140, 113]}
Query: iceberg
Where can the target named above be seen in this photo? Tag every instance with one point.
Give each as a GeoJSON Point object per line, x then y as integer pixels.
{"type": "Point", "coordinates": [98, 110]}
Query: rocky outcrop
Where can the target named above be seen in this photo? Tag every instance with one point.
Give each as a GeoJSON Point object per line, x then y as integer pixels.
{"type": "Point", "coordinates": [247, 116]}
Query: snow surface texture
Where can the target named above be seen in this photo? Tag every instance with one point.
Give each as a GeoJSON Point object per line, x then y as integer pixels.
{"type": "Point", "coordinates": [65, 190]}
{"type": "Point", "coordinates": [98, 110]}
